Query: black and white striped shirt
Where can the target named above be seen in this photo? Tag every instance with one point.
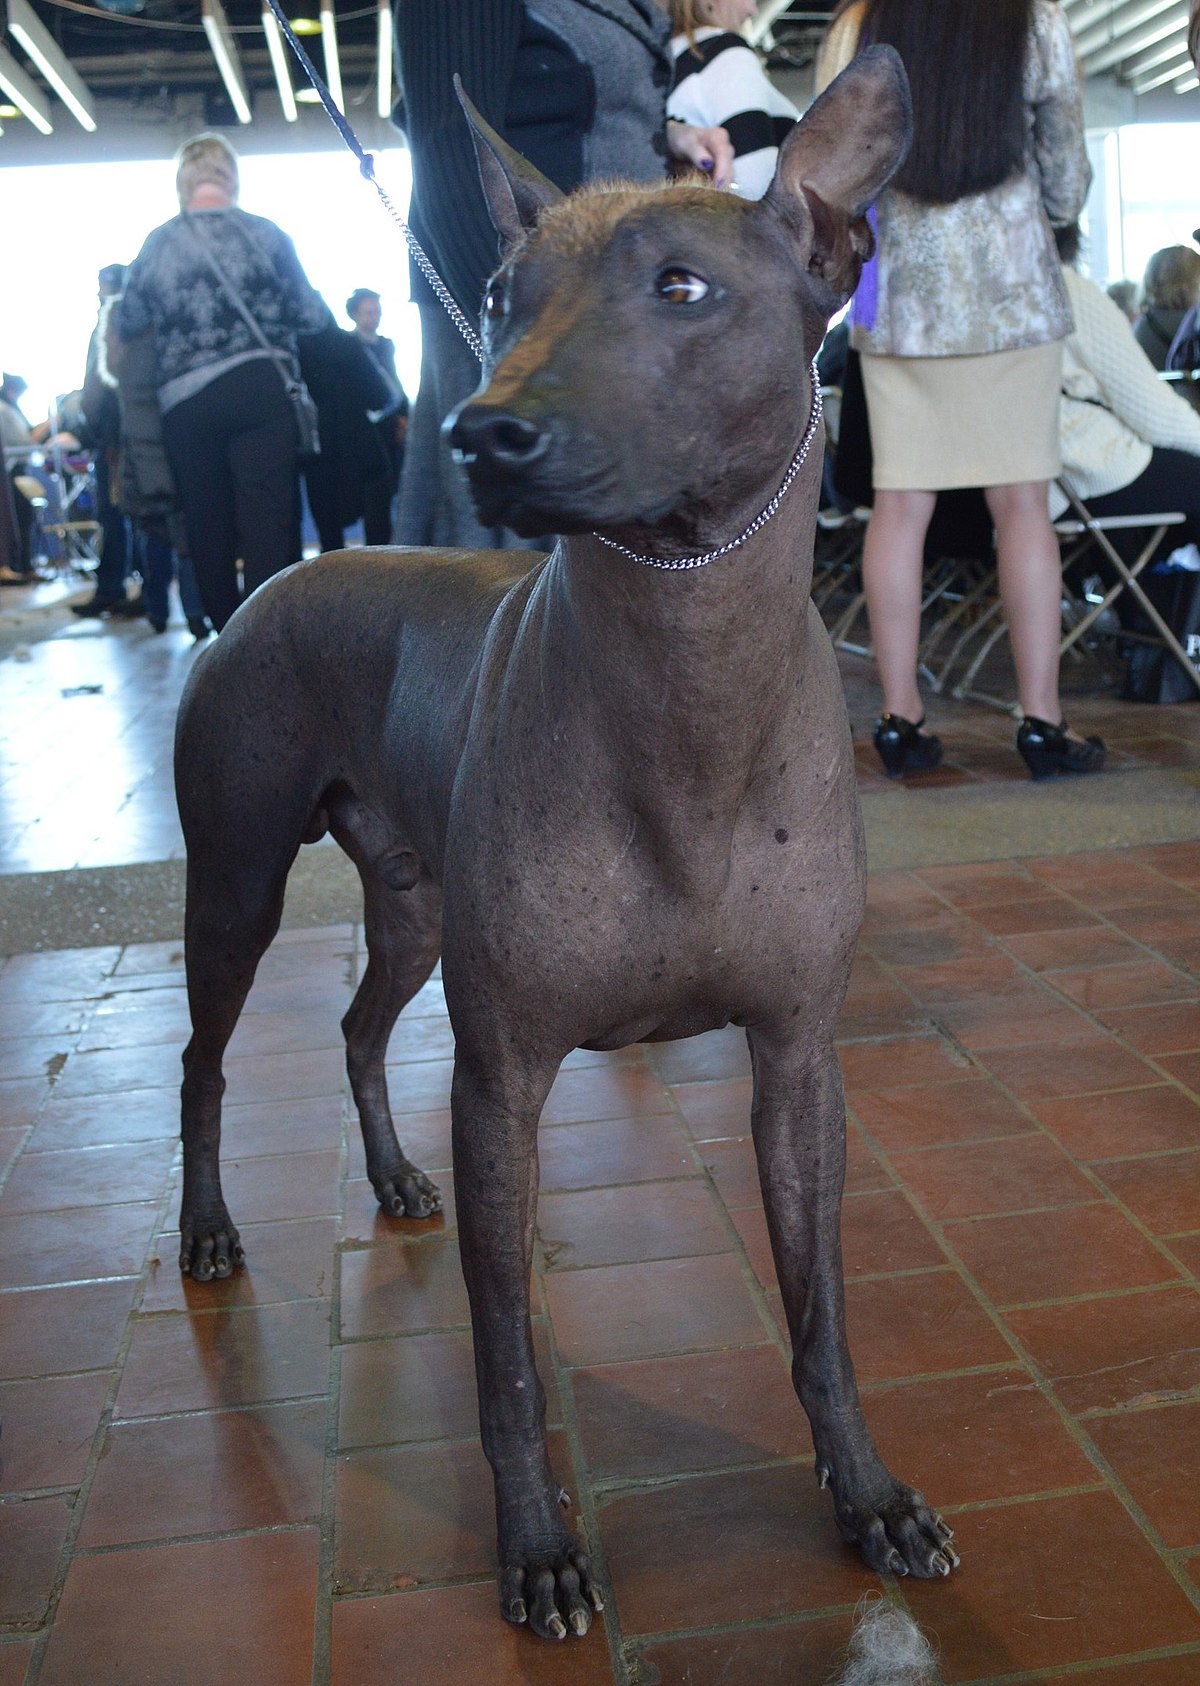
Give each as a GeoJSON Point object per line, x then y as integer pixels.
{"type": "Point", "coordinates": [720, 83]}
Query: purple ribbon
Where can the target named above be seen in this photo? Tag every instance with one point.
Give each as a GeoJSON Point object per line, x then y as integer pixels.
{"type": "Point", "coordinates": [866, 297]}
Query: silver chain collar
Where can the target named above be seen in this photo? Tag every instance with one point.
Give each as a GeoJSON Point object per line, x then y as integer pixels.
{"type": "Point", "coordinates": [760, 520]}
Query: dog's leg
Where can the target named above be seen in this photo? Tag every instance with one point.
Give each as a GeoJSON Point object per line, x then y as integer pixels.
{"type": "Point", "coordinates": [799, 1139]}
{"type": "Point", "coordinates": [231, 918]}
{"type": "Point", "coordinates": [403, 929]}
{"type": "Point", "coordinates": [545, 1577]}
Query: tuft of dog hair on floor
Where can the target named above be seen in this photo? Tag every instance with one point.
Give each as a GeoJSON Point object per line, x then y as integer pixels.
{"type": "Point", "coordinates": [887, 1648]}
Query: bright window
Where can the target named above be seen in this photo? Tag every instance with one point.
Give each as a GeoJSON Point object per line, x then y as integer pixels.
{"type": "Point", "coordinates": [69, 221]}
{"type": "Point", "coordinates": [1144, 197]}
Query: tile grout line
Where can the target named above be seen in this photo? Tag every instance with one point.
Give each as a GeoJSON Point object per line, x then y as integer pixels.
{"type": "Point", "coordinates": [1085, 1167]}
{"type": "Point", "coordinates": [325, 1589]}
{"type": "Point", "coordinates": [1044, 1383]}
{"type": "Point", "coordinates": [99, 1439]}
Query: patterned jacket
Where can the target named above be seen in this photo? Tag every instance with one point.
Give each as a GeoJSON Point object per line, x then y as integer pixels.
{"type": "Point", "coordinates": [982, 274]}
{"type": "Point", "coordinates": [198, 331]}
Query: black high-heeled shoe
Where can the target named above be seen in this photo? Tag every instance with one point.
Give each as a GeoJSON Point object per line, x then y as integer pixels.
{"type": "Point", "coordinates": [1050, 750]}
{"type": "Point", "coordinates": [903, 747]}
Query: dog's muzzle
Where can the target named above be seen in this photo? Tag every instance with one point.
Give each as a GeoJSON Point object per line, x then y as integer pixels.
{"type": "Point", "coordinates": [494, 444]}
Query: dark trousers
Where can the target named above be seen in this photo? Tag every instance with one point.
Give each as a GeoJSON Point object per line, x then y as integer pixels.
{"type": "Point", "coordinates": [1170, 480]}
{"type": "Point", "coordinates": [379, 497]}
{"type": "Point", "coordinates": [23, 509]}
{"type": "Point", "coordinates": [110, 576]}
{"type": "Point", "coordinates": [233, 454]}
{"type": "Point", "coordinates": [157, 564]}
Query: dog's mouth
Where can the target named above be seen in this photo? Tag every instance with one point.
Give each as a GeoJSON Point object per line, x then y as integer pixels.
{"type": "Point", "coordinates": [516, 471]}
{"type": "Point", "coordinates": [534, 510]}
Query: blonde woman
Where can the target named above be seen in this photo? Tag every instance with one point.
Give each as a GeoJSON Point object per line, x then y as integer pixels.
{"type": "Point", "coordinates": [228, 424]}
{"type": "Point", "coordinates": [720, 84]}
{"type": "Point", "coordinates": [960, 324]}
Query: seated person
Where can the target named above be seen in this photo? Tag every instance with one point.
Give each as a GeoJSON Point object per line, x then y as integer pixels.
{"type": "Point", "coordinates": [1130, 443]}
{"type": "Point", "coordinates": [1170, 289]}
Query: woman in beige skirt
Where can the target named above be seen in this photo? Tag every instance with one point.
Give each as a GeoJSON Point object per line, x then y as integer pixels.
{"type": "Point", "coordinates": [960, 322]}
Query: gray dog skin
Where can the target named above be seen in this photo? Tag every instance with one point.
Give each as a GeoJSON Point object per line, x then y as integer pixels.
{"type": "Point", "coordinates": [618, 800]}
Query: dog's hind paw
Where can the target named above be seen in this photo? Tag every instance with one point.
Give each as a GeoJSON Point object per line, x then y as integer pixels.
{"type": "Point", "coordinates": [405, 1192]}
{"type": "Point", "coordinates": [555, 1597]}
{"type": "Point", "coordinates": [210, 1248]}
{"type": "Point", "coordinates": [899, 1535]}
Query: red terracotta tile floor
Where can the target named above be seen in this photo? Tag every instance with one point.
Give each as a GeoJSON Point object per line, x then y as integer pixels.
{"type": "Point", "coordinates": [278, 1478]}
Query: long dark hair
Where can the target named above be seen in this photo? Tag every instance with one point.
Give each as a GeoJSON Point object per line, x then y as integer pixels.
{"type": "Point", "coordinates": [966, 64]}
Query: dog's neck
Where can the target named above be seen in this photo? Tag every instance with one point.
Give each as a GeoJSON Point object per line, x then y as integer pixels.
{"type": "Point", "coordinates": [699, 658]}
{"type": "Point", "coordinates": [715, 520]}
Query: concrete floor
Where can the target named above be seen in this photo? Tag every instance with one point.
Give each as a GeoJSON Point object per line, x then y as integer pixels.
{"type": "Point", "coordinates": [277, 1479]}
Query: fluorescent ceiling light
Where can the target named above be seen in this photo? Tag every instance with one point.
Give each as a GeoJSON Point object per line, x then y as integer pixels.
{"type": "Point", "coordinates": [305, 19]}
{"type": "Point", "coordinates": [23, 91]}
{"type": "Point", "coordinates": [31, 34]}
{"type": "Point", "coordinates": [333, 65]}
{"type": "Point", "coordinates": [224, 50]}
{"type": "Point", "coordinates": [385, 58]}
{"type": "Point", "coordinates": [279, 63]}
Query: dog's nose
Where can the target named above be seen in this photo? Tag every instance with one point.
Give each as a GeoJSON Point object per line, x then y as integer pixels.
{"type": "Point", "coordinates": [480, 434]}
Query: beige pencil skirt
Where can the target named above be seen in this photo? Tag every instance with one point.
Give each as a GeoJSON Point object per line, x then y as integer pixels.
{"type": "Point", "coordinates": [943, 422]}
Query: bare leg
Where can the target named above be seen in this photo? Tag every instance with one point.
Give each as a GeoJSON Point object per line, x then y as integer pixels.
{"type": "Point", "coordinates": [893, 556]}
{"type": "Point", "coordinates": [1031, 590]}
{"type": "Point", "coordinates": [799, 1138]}
{"type": "Point", "coordinates": [545, 1577]}
{"type": "Point", "coordinates": [403, 932]}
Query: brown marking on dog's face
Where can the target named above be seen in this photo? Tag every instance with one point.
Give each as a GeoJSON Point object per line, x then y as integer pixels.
{"type": "Point", "coordinates": [655, 342]}
{"type": "Point", "coordinates": [648, 397]}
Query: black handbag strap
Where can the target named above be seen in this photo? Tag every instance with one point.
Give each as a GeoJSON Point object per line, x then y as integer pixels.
{"type": "Point", "coordinates": [240, 305]}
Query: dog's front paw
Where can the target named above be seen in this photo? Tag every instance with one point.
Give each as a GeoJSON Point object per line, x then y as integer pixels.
{"type": "Point", "coordinates": [896, 1531]}
{"type": "Point", "coordinates": [405, 1192]}
{"type": "Point", "coordinates": [551, 1590]}
{"type": "Point", "coordinates": [209, 1246]}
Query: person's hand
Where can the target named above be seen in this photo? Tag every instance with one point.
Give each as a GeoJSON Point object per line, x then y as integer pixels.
{"type": "Point", "coordinates": [709, 150]}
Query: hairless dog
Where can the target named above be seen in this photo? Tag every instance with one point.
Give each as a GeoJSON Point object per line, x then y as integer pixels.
{"type": "Point", "coordinates": [613, 789]}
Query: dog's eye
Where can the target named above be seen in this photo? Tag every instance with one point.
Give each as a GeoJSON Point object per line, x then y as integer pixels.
{"type": "Point", "coordinates": [680, 286]}
{"type": "Point", "coordinates": [494, 303]}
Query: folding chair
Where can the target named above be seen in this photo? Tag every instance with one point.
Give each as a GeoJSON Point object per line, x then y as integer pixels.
{"type": "Point", "coordinates": [1086, 531]}
{"type": "Point", "coordinates": [67, 516]}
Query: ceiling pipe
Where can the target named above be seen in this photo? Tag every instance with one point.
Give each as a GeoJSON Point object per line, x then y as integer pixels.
{"type": "Point", "coordinates": [1183, 63]}
{"type": "Point", "coordinates": [1119, 21]}
{"type": "Point", "coordinates": [1147, 60]}
{"type": "Point", "coordinates": [1169, 23]}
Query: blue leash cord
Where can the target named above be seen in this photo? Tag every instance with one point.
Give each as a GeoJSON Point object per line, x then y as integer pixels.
{"type": "Point", "coordinates": [366, 164]}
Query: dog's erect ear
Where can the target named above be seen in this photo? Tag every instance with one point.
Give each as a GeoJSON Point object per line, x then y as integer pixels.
{"type": "Point", "coordinates": [838, 159]}
{"type": "Point", "coordinates": [514, 190]}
